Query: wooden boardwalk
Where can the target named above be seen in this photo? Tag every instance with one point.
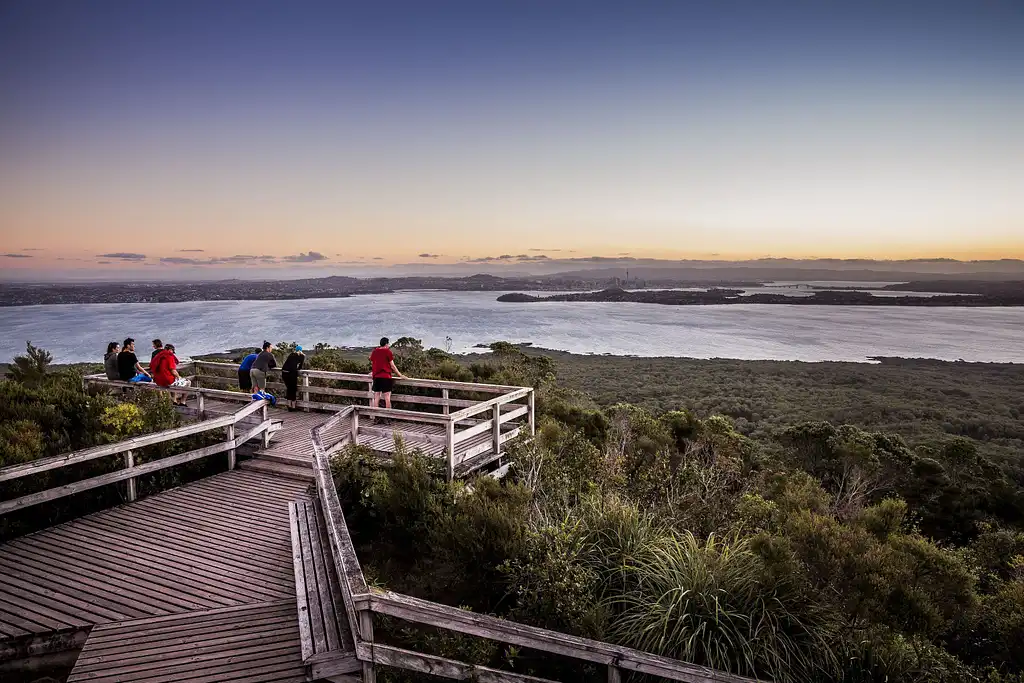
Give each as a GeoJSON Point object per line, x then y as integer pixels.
{"type": "Point", "coordinates": [215, 543]}
{"type": "Point", "coordinates": [247, 644]}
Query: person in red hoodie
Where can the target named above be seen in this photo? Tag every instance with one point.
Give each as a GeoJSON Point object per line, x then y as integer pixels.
{"type": "Point", "coordinates": [164, 368]}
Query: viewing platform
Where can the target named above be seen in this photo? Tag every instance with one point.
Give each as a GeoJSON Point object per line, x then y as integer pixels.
{"type": "Point", "coordinates": [464, 424]}
{"type": "Point", "coordinates": [250, 575]}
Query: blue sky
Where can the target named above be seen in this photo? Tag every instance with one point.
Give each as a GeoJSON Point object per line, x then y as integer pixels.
{"type": "Point", "coordinates": [464, 130]}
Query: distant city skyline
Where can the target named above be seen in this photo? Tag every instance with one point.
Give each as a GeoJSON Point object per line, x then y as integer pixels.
{"type": "Point", "coordinates": [193, 137]}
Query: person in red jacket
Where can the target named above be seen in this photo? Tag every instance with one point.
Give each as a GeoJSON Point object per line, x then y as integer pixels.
{"type": "Point", "coordinates": [164, 368]}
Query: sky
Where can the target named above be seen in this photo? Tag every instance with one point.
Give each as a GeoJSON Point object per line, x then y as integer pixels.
{"type": "Point", "coordinates": [184, 136]}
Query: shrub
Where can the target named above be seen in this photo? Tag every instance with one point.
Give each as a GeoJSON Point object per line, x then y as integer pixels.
{"type": "Point", "coordinates": [712, 602]}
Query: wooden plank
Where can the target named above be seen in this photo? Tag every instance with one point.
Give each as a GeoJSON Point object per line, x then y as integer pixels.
{"type": "Point", "coordinates": [446, 668]}
{"type": "Point", "coordinates": [514, 395]}
{"type": "Point", "coordinates": [496, 428]}
{"type": "Point", "coordinates": [465, 434]}
{"type": "Point", "coordinates": [321, 587]}
{"type": "Point", "coordinates": [305, 628]}
{"type": "Point", "coordinates": [129, 463]}
{"type": "Point", "coordinates": [259, 429]}
{"type": "Point", "coordinates": [485, 626]}
{"type": "Point", "coordinates": [513, 414]}
{"type": "Point", "coordinates": [109, 478]}
{"type": "Point", "coordinates": [316, 619]}
{"type": "Point", "coordinates": [406, 435]}
{"type": "Point", "coordinates": [450, 449]}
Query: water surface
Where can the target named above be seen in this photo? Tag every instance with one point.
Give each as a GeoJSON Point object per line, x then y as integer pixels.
{"type": "Point", "coordinates": [76, 333]}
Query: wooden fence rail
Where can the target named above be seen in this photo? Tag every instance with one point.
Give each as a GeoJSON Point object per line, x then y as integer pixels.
{"type": "Point", "coordinates": [129, 449]}
{"type": "Point", "coordinates": [361, 604]}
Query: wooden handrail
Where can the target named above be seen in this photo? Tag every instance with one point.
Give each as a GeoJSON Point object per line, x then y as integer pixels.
{"type": "Point", "coordinates": [448, 618]}
{"type": "Point", "coordinates": [520, 392]}
{"type": "Point", "coordinates": [346, 563]}
{"type": "Point", "coordinates": [365, 378]}
{"type": "Point", "coordinates": [130, 446]}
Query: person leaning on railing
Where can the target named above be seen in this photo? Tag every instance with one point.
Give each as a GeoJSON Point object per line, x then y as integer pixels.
{"type": "Point", "coordinates": [244, 368]}
{"type": "Point", "coordinates": [293, 364]}
{"type": "Point", "coordinates": [264, 363]}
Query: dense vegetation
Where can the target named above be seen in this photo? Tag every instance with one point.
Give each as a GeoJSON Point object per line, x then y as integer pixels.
{"type": "Point", "coordinates": [801, 522]}
{"type": "Point", "coordinates": [799, 550]}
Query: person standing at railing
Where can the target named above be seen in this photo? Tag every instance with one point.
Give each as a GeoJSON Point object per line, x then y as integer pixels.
{"type": "Point", "coordinates": [290, 374]}
{"type": "Point", "coordinates": [244, 378]}
{"type": "Point", "coordinates": [264, 363]}
{"type": "Point", "coordinates": [384, 372]}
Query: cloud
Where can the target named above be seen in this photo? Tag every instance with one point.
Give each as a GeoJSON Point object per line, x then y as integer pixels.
{"type": "Point", "coordinates": [17, 255]}
{"type": "Point", "coordinates": [309, 257]}
{"type": "Point", "coordinates": [551, 250]}
{"type": "Point", "coordinates": [244, 258]}
{"type": "Point", "coordinates": [104, 263]}
{"type": "Point", "coordinates": [429, 255]}
{"type": "Point", "coordinates": [33, 249]}
{"type": "Point", "coordinates": [124, 256]}
{"type": "Point", "coordinates": [491, 259]}
{"type": "Point", "coordinates": [191, 251]}
{"type": "Point", "coordinates": [378, 258]}
{"type": "Point", "coordinates": [537, 257]}
{"type": "Point", "coordinates": [181, 261]}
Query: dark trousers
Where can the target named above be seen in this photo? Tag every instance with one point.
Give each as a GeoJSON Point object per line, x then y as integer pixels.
{"type": "Point", "coordinates": [291, 383]}
{"type": "Point", "coordinates": [244, 380]}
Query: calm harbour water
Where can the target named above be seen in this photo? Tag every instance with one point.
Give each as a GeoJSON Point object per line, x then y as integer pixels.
{"type": "Point", "coordinates": [76, 333]}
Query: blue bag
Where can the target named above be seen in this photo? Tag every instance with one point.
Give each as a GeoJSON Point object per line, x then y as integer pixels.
{"type": "Point", "coordinates": [140, 378]}
{"type": "Point", "coordinates": [260, 395]}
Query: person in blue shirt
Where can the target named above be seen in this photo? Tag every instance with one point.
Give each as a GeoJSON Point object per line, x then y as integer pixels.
{"type": "Point", "coordinates": [244, 378]}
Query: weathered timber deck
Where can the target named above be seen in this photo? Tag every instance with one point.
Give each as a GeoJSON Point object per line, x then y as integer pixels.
{"type": "Point", "coordinates": [214, 543]}
{"type": "Point", "coordinates": [247, 644]}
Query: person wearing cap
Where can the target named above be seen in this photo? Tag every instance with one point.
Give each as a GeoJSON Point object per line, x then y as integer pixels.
{"type": "Point", "coordinates": [128, 364]}
{"type": "Point", "coordinates": [290, 375]}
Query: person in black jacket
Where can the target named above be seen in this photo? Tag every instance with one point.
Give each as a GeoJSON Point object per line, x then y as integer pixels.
{"type": "Point", "coordinates": [290, 374]}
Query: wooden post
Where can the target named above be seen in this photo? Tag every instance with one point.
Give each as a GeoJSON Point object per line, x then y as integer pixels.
{"type": "Point", "coordinates": [265, 437]}
{"type": "Point", "coordinates": [366, 632]}
{"type": "Point", "coordinates": [231, 453]}
{"type": "Point", "coordinates": [533, 419]}
{"type": "Point", "coordinates": [496, 428]}
{"type": "Point", "coordinates": [444, 397]}
{"type": "Point", "coordinates": [129, 463]}
{"type": "Point", "coordinates": [305, 390]}
{"type": "Point", "coordinates": [355, 426]}
{"type": "Point", "coordinates": [614, 675]}
{"type": "Point", "coordinates": [201, 399]}
{"type": "Point", "coordinates": [450, 443]}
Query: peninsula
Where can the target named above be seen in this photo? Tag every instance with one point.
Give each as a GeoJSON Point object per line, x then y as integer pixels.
{"type": "Point", "coordinates": [1007, 294]}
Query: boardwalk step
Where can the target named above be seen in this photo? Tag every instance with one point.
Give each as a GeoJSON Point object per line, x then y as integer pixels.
{"type": "Point", "coordinates": [300, 472]}
{"type": "Point", "coordinates": [285, 458]}
{"type": "Point", "coordinates": [324, 634]}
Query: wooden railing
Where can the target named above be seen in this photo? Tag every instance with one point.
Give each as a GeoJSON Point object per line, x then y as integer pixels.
{"type": "Point", "coordinates": [361, 604]}
{"type": "Point", "coordinates": [459, 426]}
{"type": "Point", "coordinates": [129, 447]}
